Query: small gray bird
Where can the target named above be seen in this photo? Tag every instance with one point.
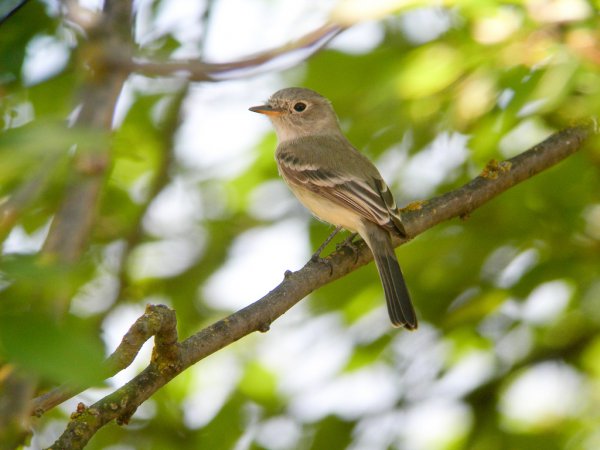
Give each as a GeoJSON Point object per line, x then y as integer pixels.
{"type": "Point", "coordinates": [338, 184]}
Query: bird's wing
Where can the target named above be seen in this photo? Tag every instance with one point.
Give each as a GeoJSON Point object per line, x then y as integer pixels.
{"type": "Point", "coordinates": [342, 175]}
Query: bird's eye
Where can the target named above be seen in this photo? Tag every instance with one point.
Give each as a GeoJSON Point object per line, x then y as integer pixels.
{"type": "Point", "coordinates": [299, 107]}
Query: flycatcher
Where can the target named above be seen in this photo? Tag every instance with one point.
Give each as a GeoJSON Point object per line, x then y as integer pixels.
{"type": "Point", "coordinates": [338, 184]}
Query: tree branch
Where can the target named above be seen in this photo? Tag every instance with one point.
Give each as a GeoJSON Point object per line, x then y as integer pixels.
{"type": "Point", "coordinates": [72, 225]}
{"type": "Point", "coordinates": [16, 391]}
{"type": "Point", "coordinates": [157, 320]}
{"type": "Point", "coordinates": [495, 179]}
{"type": "Point", "coordinates": [170, 359]}
{"type": "Point", "coordinates": [202, 71]}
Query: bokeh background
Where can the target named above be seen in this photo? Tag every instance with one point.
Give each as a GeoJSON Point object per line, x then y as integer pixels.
{"type": "Point", "coordinates": [192, 214]}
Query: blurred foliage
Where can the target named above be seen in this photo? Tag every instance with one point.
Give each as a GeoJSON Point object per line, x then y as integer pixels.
{"type": "Point", "coordinates": [510, 293]}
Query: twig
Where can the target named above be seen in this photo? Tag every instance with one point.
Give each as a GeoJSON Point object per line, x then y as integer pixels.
{"type": "Point", "coordinates": [202, 71]}
{"type": "Point", "coordinates": [158, 321]}
{"type": "Point", "coordinates": [10, 7]}
{"type": "Point", "coordinates": [496, 178]}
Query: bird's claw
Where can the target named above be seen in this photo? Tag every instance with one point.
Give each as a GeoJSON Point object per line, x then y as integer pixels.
{"type": "Point", "coordinates": [348, 242]}
{"type": "Point", "coordinates": [316, 258]}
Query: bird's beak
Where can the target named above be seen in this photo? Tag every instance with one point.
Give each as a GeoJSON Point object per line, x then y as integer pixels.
{"type": "Point", "coordinates": [267, 110]}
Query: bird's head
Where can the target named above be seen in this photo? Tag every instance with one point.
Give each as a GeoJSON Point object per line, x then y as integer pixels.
{"type": "Point", "coordinates": [297, 112]}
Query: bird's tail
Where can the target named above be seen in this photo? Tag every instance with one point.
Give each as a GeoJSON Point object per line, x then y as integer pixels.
{"type": "Point", "coordinates": [400, 309]}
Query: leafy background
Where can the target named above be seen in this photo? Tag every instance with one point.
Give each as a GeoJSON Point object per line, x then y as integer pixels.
{"type": "Point", "coordinates": [193, 215]}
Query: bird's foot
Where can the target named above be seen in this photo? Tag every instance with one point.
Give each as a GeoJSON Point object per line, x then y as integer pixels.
{"type": "Point", "coordinates": [316, 258]}
{"type": "Point", "coordinates": [349, 242]}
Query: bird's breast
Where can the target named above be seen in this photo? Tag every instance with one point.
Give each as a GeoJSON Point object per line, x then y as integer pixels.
{"type": "Point", "coordinates": [327, 210]}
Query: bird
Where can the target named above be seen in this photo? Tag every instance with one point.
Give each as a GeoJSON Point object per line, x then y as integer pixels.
{"type": "Point", "coordinates": [339, 185]}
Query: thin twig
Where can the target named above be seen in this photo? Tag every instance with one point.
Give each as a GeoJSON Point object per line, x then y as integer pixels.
{"type": "Point", "coordinates": [196, 70]}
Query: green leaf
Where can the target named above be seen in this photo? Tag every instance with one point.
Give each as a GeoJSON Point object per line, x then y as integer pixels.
{"type": "Point", "coordinates": [69, 352]}
{"type": "Point", "coordinates": [429, 69]}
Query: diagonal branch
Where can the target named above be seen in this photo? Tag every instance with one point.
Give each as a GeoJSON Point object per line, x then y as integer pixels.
{"type": "Point", "coordinates": [495, 179]}
{"type": "Point", "coordinates": [196, 70]}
